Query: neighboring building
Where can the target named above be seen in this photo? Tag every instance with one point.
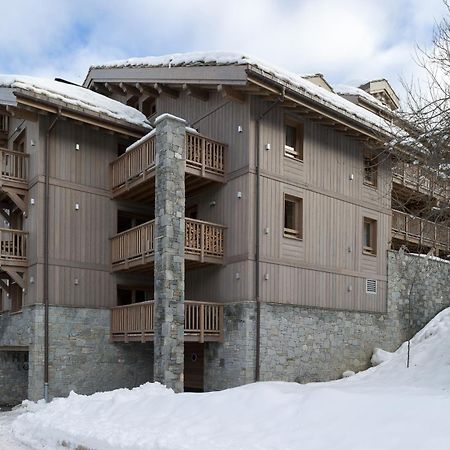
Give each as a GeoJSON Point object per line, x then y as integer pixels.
{"type": "Point", "coordinates": [300, 294]}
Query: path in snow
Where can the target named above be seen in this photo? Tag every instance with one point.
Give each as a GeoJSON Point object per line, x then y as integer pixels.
{"type": "Point", "coordinates": [7, 440]}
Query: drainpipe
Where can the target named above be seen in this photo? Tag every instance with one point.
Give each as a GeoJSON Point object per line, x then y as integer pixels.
{"type": "Point", "coordinates": [46, 251]}
{"type": "Point", "coordinates": [258, 233]}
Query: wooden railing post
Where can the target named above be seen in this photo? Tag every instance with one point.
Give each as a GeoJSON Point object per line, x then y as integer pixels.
{"type": "Point", "coordinates": [203, 156]}
{"type": "Point", "coordinates": [202, 323]}
{"type": "Point", "coordinates": [202, 242]}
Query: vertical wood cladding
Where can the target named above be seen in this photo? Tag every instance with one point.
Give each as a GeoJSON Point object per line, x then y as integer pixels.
{"type": "Point", "coordinates": [79, 248]}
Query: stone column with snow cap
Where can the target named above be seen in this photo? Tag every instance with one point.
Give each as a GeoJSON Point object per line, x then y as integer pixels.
{"type": "Point", "coordinates": [169, 251]}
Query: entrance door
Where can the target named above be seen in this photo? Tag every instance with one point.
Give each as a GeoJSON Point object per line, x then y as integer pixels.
{"type": "Point", "coordinates": [193, 367]}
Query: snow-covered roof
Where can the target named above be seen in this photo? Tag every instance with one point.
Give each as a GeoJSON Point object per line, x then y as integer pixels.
{"type": "Point", "coordinates": [292, 80]}
{"type": "Point", "coordinates": [77, 96]}
{"type": "Point", "coordinates": [344, 89]}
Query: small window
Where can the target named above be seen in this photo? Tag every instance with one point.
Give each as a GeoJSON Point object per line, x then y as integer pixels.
{"type": "Point", "coordinates": [293, 214]}
{"type": "Point", "coordinates": [371, 286]}
{"type": "Point", "coordinates": [369, 236]}
{"type": "Point", "coordinates": [293, 143]}
{"type": "Point", "coordinates": [148, 107]}
{"type": "Point", "coordinates": [370, 170]}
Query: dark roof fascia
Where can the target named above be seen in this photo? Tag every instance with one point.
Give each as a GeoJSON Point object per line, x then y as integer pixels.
{"type": "Point", "coordinates": [227, 74]}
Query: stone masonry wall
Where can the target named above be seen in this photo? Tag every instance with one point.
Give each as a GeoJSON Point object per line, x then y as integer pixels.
{"type": "Point", "coordinates": [232, 363]}
{"type": "Point", "coordinates": [310, 344]}
{"type": "Point", "coordinates": [81, 357]}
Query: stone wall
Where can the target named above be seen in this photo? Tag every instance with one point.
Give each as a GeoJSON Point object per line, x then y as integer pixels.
{"type": "Point", "coordinates": [310, 344]}
{"type": "Point", "coordinates": [423, 281]}
{"type": "Point", "coordinates": [81, 358]}
{"type": "Point", "coordinates": [232, 363]}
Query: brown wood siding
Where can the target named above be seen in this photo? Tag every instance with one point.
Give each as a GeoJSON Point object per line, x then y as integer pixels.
{"type": "Point", "coordinates": [221, 124]}
{"type": "Point", "coordinates": [327, 267]}
{"type": "Point", "coordinates": [79, 239]}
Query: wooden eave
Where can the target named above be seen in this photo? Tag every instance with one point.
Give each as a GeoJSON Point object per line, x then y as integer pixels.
{"type": "Point", "coordinates": [43, 104]}
{"type": "Point", "coordinates": [313, 105]}
{"type": "Point", "coordinates": [230, 75]}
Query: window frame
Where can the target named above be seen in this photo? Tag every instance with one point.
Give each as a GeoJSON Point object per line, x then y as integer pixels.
{"type": "Point", "coordinates": [297, 231]}
{"type": "Point", "coordinates": [373, 232]}
{"type": "Point", "coordinates": [295, 153]}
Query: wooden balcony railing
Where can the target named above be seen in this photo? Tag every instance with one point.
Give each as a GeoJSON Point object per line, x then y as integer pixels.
{"type": "Point", "coordinates": [133, 247]}
{"type": "Point", "coordinates": [203, 321]}
{"type": "Point", "coordinates": [421, 231]}
{"type": "Point", "coordinates": [204, 157]}
{"type": "Point", "coordinates": [133, 244]}
{"type": "Point", "coordinates": [13, 245]}
{"type": "Point", "coordinates": [419, 178]}
{"type": "Point", "coordinates": [13, 165]}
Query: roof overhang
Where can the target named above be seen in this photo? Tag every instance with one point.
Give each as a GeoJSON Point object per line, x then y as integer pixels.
{"type": "Point", "coordinates": [16, 100]}
{"type": "Point", "coordinates": [243, 79]}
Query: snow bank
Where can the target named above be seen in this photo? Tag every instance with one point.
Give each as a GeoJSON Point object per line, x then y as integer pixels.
{"type": "Point", "coordinates": [75, 96]}
{"type": "Point", "coordinates": [386, 407]}
{"type": "Point", "coordinates": [297, 82]}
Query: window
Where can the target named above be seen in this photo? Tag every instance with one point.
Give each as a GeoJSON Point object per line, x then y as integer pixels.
{"type": "Point", "coordinates": [369, 236]}
{"type": "Point", "coordinates": [293, 214]}
{"type": "Point", "coordinates": [293, 143]}
{"type": "Point", "coordinates": [370, 170]}
{"type": "Point", "coordinates": [148, 107]}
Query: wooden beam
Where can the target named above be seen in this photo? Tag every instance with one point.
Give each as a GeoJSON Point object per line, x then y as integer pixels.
{"type": "Point", "coordinates": [196, 92]}
{"type": "Point", "coordinates": [114, 88]}
{"type": "Point", "coordinates": [100, 88]}
{"type": "Point", "coordinates": [233, 94]}
{"type": "Point", "coordinates": [15, 197]}
{"type": "Point", "coordinates": [146, 89]}
{"type": "Point", "coordinates": [129, 89]}
{"type": "Point", "coordinates": [22, 113]}
{"type": "Point", "coordinates": [14, 274]}
{"type": "Point", "coordinates": [163, 89]}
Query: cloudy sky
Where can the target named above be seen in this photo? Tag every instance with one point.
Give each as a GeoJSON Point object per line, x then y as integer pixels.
{"type": "Point", "coordinates": [349, 41]}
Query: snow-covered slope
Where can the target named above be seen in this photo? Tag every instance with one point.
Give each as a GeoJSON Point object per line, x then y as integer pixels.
{"type": "Point", "coordinates": [75, 96]}
{"type": "Point", "coordinates": [388, 407]}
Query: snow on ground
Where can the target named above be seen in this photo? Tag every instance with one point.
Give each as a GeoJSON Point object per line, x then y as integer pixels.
{"type": "Point", "coordinates": [7, 439]}
{"type": "Point", "coordinates": [75, 96]}
{"type": "Point", "coordinates": [387, 407]}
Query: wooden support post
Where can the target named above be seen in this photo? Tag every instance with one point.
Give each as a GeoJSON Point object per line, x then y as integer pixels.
{"type": "Point", "coordinates": [202, 323]}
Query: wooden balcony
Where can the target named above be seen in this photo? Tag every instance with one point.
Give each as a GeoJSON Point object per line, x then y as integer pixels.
{"type": "Point", "coordinates": [14, 168]}
{"type": "Point", "coordinates": [203, 322]}
{"type": "Point", "coordinates": [420, 231]}
{"type": "Point", "coordinates": [13, 247]}
{"type": "Point", "coordinates": [133, 173]}
{"type": "Point", "coordinates": [419, 179]}
{"type": "Point", "coordinates": [133, 249]}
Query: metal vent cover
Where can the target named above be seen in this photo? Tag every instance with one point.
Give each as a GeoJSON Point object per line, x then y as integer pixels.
{"type": "Point", "coordinates": [371, 286]}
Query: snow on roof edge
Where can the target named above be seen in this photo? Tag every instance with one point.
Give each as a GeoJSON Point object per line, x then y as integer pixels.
{"type": "Point", "coordinates": [77, 96]}
{"type": "Point", "coordinates": [301, 84]}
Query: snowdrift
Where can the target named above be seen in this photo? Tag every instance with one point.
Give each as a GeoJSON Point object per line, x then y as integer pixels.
{"type": "Point", "coordinates": [387, 407]}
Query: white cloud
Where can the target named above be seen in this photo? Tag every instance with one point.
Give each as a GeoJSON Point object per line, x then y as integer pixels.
{"type": "Point", "coordinates": [347, 40]}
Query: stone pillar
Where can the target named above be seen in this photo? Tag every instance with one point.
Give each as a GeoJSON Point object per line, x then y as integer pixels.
{"type": "Point", "coordinates": [169, 251]}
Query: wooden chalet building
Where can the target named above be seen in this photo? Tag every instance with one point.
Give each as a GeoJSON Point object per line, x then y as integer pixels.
{"type": "Point", "coordinates": [286, 218]}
